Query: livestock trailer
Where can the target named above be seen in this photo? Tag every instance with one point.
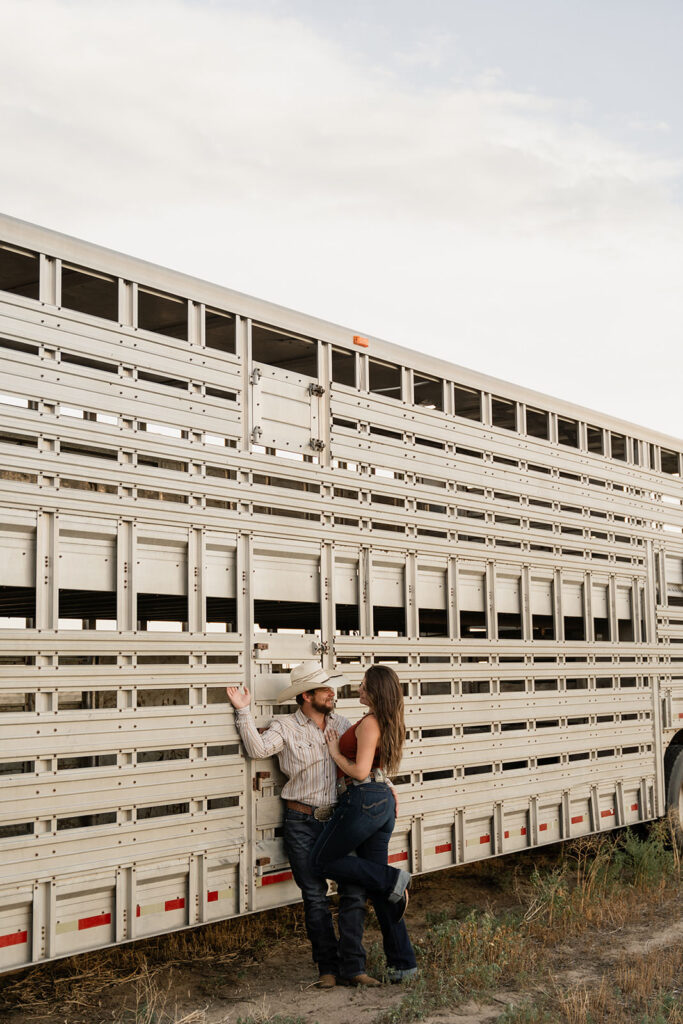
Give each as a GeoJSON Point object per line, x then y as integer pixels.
{"type": "Point", "coordinates": [199, 488]}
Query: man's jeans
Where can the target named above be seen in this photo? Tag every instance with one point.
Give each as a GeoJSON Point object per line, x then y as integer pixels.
{"type": "Point", "coordinates": [345, 958]}
{"type": "Point", "coordinates": [363, 822]}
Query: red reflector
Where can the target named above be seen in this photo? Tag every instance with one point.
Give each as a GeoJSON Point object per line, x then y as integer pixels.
{"type": "Point", "coordinates": [523, 832]}
{"type": "Point", "coordinates": [282, 876]}
{"type": "Point", "coordinates": [484, 839]}
{"type": "Point", "coordinates": [176, 904]}
{"type": "Point", "coordinates": [393, 857]}
{"type": "Point", "coordinates": [137, 910]}
{"type": "Point", "coordinates": [506, 835]}
{"type": "Point", "coordinates": [15, 939]}
{"type": "Point", "coordinates": [543, 828]}
{"type": "Point", "coordinates": [634, 807]}
{"type": "Point", "coordinates": [607, 814]}
{"type": "Point", "coordinates": [358, 339]}
{"type": "Point", "coordinates": [211, 897]}
{"type": "Point", "coordinates": [444, 848]}
{"type": "Point", "coordinates": [94, 922]}
{"type": "Point", "coordinates": [680, 714]}
{"type": "Point", "coordinates": [577, 818]}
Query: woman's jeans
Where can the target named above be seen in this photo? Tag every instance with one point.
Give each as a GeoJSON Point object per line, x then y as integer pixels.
{"type": "Point", "coordinates": [363, 822]}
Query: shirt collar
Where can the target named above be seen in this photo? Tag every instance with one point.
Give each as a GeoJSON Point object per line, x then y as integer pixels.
{"type": "Point", "coordinates": [304, 720]}
{"type": "Point", "coordinates": [301, 718]}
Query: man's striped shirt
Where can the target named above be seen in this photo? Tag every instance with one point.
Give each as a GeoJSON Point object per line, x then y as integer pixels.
{"type": "Point", "coordinates": [301, 750]}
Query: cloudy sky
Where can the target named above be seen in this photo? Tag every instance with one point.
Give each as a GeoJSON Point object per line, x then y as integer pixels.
{"type": "Point", "coordinates": [497, 182]}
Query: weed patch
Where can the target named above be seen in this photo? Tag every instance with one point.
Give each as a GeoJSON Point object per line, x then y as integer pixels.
{"type": "Point", "coordinates": [461, 959]}
{"type": "Point", "coordinates": [599, 881]}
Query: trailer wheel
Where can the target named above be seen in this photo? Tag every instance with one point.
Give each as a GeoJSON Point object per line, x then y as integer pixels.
{"type": "Point", "coordinates": [674, 789]}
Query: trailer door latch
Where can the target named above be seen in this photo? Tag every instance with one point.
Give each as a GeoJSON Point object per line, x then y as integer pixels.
{"type": "Point", "coordinates": [316, 444]}
{"type": "Point", "coordinates": [258, 780]}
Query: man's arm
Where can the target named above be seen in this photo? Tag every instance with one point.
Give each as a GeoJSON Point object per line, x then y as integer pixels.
{"type": "Point", "coordinates": [256, 744]}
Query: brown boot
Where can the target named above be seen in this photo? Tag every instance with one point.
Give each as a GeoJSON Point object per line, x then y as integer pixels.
{"type": "Point", "coordinates": [364, 980]}
{"type": "Point", "coordinates": [326, 981]}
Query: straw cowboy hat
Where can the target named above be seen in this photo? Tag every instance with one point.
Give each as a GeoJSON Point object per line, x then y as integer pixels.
{"type": "Point", "coordinates": [309, 675]}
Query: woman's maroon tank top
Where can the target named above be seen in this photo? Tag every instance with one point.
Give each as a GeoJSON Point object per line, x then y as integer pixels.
{"type": "Point", "coordinates": [348, 744]}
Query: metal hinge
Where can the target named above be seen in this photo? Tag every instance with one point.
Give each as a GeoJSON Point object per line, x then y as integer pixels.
{"type": "Point", "coordinates": [316, 444]}
{"type": "Point", "coordinates": [255, 434]}
{"type": "Point", "coordinates": [316, 389]}
{"type": "Point", "coordinates": [255, 375]}
{"type": "Point", "coordinates": [322, 648]}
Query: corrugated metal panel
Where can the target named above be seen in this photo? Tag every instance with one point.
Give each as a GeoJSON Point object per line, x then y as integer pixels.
{"type": "Point", "coordinates": [508, 597]}
{"type": "Point", "coordinates": [600, 601]}
{"type": "Point", "coordinates": [431, 588]}
{"type": "Point", "coordinates": [572, 598]}
{"type": "Point", "coordinates": [87, 560]}
{"type": "Point", "coordinates": [278, 577]}
{"type": "Point", "coordinates": [346, 581]}
{"type": "Point", "coordinates": [471, 591]}
{"type": "Point", "coordinates": [541, 596]}
{"type": "Point", "coordinates": [221, 571]}
{"type": "Point", "coordinates": [388, 584]}
{"type": "Point", "coordinates": [18, 556]}
{"type": "Point", "coordinates": [162, 566]}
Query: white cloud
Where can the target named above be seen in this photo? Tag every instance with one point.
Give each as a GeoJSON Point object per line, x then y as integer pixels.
{"type": "Point", "coordinates": [492, 227]}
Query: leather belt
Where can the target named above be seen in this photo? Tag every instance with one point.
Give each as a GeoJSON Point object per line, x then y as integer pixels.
{"type": "Point", "coordinates": [323, 813]}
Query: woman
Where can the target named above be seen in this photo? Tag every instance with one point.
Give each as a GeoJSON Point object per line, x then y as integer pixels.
{"type": "Point", "coordinates": [364, 817]}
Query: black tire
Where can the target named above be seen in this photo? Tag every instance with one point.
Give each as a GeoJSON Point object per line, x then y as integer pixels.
{"type": "Point", "coordinates": [674, 789]}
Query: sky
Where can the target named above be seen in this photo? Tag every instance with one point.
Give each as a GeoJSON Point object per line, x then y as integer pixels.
{"type": "Point", "coordinates": [495, 182]}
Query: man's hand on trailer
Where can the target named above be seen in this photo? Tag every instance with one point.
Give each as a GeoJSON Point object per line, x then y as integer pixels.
{"type": "Point", "coordinates": [238, 697]}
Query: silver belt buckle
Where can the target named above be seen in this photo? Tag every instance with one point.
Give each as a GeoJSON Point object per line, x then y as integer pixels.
{"type": "Point", "coordinates": [322, 813]}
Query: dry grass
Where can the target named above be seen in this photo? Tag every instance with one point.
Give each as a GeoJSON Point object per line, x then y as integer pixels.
{"type": "Point", "coordinates": [136, 976]}
{"type": "Point", "coordinates": [645, 989]}
{"type": "Point", "coordinates": [263, 1016]}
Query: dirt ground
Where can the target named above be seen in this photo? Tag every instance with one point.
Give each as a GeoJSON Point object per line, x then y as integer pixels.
{"type": "Point", "coordinates": [278, 979]}
{"type": "Point", "coordinates": [282, 983]}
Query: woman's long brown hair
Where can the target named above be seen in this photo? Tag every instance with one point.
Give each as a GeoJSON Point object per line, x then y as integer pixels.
{"type": "Point", "coordinates": [385, 695]}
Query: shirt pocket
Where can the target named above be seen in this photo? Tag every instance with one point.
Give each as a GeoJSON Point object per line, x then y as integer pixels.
{"type": "Point", "coordinates": [307, 754]}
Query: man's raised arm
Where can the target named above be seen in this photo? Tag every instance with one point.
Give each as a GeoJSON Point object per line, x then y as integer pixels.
{"type": "Point", "coordinates": [257, 744]}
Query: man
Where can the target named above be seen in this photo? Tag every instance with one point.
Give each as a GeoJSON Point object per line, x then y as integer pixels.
{"type": "Point", "coordinates": [309, 795]}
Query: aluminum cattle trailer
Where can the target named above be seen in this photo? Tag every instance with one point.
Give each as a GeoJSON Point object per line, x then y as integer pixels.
{"type": "Point", "coordinates": [200, 488]}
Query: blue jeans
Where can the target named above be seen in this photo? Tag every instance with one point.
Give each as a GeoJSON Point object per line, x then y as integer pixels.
{"type": "Point", "coordinates": [343, 958]}
{"type": "Point", "coordinates": [363, 822]}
